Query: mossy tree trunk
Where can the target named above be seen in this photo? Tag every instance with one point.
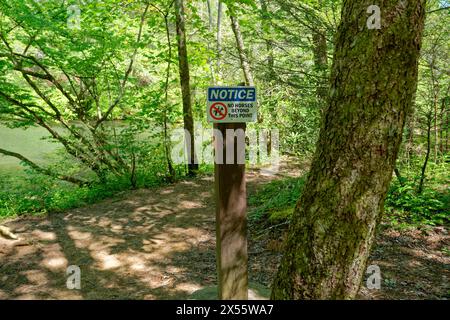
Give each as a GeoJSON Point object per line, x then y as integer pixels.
{"type": "Point", "coordinates": [373, 81]}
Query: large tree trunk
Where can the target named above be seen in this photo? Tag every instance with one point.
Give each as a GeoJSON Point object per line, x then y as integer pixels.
{"type": "Point", "coordinates": [373, 80]}
{"type": "Point", "coordinates": [185, 87]}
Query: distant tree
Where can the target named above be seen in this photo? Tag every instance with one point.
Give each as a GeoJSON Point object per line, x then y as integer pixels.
{"type": "Point", "coordinates": [188, 118]}
{"type": "Point", "coordinates": [243, 57]}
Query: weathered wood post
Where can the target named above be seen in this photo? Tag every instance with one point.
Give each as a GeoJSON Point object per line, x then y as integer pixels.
{"type": "Point", "coordinates": [229, 108]}
{"type": "Point", "coordinates": [231, 214]}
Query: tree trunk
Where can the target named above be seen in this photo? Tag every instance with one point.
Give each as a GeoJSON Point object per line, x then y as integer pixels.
{"type": "Point", "coordinates": [245, 64]}
{"type": "Point", "coordinates": [410, 138]}
{"type": "Point", "coordinates": [210, 28]}
{"type": "Point", "coordinates": [373, 81]}
{"type": "Point", "coordinates": [435, 86]}
{"type": "Point", "coordinates": [219, 36]}
{"type": "Point", "coordinates": [442, 126]}
{"type": "Point", "coordinates": [427, 156]}
{"type": "Point", "coordinates": [167, 142]}
{"type": "Point", "coordinates": [185, 87]}
{"type": "Point", "coordinates": [446, 126]}
{"type": "Point", "coordinates": [241, 50]}
{"type": "Point", "coordinates": [399, 176]}
{"type": "Point", "coordinates": [271, 75]}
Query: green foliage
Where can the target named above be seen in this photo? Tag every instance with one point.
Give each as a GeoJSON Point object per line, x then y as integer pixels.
{"type": "Point", "coordinates": [36, 194]}
{"type": "Point", "coordinates": [276, 200]}
{"type": "Point", "coordinates": [30, 193]}
{"type": "Point", "coordinates": [404, 206]}
{"type": "Point", "coordinates": [130, 149]}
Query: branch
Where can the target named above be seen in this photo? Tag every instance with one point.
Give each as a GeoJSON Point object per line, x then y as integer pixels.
{"type": "Point", "coordinates": [48, 76]}
{"type": "Point", "coordinates": [127, 73]}
{"type": "Point", "coordinates": [309, 12]}
{"type": "Point", "coordinates": [23, 105]}
{"type": "Point", "coordinates": [32, 73]}
{"type": "Point", "coordinates": [75, 151]}
{"type": "Point", "coordinates": [41, 170]}
{"type": "Point", "coordinates": [435, 10]}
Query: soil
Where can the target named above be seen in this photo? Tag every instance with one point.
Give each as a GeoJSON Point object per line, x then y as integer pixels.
{"type": "Point", "coordinates": [160, 244]}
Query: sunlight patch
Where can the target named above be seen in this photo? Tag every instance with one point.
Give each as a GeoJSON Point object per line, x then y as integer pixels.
{"type": "Point", "coordinates": [35, 276]}
{"type": "Point", "coordinates": [55, 263]}
{"type": "Point", "coordinates": [185, 204]}
{"type": "Point", "coordinates": [43, 235]}
{"type": "Point", "coordinates": [107, 261]}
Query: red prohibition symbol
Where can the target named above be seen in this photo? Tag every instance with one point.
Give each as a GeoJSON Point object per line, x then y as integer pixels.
{"type": "Point", "coordinates": [218, 111]}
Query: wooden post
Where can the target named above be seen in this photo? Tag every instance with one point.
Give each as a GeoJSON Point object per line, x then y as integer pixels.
{"type": "Point", "coordinates": [231, 220]}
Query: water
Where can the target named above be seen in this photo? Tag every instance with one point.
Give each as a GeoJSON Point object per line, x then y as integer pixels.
{"type": "Point", "coordinates": [28, 142]}
{"type": "Point", "coordinates": [33, 143]}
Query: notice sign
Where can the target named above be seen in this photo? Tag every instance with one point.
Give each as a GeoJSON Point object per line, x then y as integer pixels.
{"type": "Point", "coordinates": [231, 104]}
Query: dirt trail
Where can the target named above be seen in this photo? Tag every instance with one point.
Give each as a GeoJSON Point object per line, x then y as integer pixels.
{"type": "Point", "coordinates": [154, 244]}
{"type": "Point", "coordinates": [150, 244]}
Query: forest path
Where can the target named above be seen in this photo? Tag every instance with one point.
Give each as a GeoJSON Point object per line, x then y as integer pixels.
{"type": "Point", "coordinates": [147, 244]}
{"type": "Point", "coordinates": [160, 244]}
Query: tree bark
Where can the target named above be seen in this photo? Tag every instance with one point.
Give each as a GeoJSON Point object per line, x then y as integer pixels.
{"type": "Point", "coordinates": [219, 35]}
{"type": "Point", "coordinates": [241, 50]}
{"type": "Point", "coordinates": [374, 78]}
{"type": "Point", "coordinates": [446, 115]}
{"type": "Point", "coordinates": [210, 28]}
{"type": "Point", "coordinates": [399, 176]}
{"type": "Point", "coordinates": [410, 137]}
{"type": "Point", "coordinates": [441, 126]}
{"type": "Point", "coordinates": [167, 142]}
{"type": "Point", "coordinates": [188, 119]}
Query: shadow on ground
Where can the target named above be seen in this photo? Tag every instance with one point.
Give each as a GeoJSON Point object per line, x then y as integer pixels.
{"type": "Point", "coordinates": [153, 244]}
{"type": "Point", "coordinates": [160, 244]}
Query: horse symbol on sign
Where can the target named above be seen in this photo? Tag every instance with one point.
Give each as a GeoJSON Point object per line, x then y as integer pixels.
{"type": "Point", "coordinates": [218, 111]}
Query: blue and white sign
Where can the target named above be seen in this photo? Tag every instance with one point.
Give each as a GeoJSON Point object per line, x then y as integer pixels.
{"type": "Point", "coordinates": [231, 104]}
